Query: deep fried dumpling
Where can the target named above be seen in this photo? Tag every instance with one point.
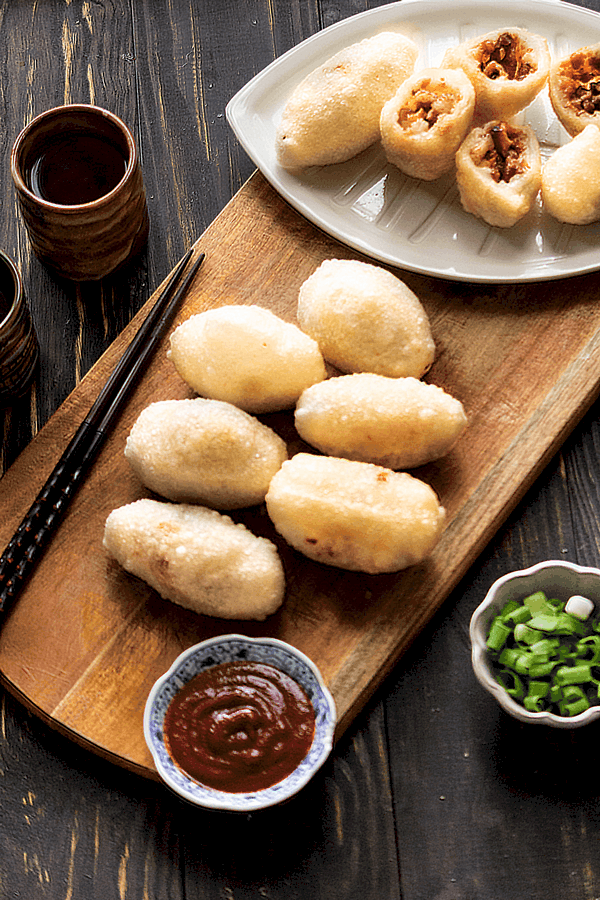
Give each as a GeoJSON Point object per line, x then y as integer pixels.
{"type": "Point", "coordinates": [508, 68]}
{"type": "Point", "coordinates": [204, 451]}
{"type": "Point", "coordinates": [574, 87]}
{"type": "Point", "coordinates": [400, 423]}
{"type": "Point", "coordinates": [423, 125]}
{"type": "Point", "coordinates": [246, 355]}
{"type": "Point", "coordinates": [498, 172]}
{"type": "Point", "coordinates": [333, 114]}
{"type": "Point", "coordinates": [354, 515]}
{"type": "Point", "coordinates": [365, 319]}
{"type": "Point", "coordinates": [198, 558]}
{"type": "Point", "coordinates": [571, 179]}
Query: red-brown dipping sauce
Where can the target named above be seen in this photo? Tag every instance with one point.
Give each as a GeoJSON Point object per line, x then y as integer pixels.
{"type": "Point", "coordinates": [239, 726]}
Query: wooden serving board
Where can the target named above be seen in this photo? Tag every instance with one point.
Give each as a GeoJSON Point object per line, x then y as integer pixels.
{"type": "Point", "coordinates": [85, 641]}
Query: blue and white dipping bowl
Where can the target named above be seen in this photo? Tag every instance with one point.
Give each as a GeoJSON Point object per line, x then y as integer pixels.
{"type": "Point", "coordinates": [229, 648]}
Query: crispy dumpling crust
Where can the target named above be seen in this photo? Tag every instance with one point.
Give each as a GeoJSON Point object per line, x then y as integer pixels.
{"type": "Point", "coordinates": [246, 355]}
{"type": "Point", "coordinates": [423, 125]}
{"type": "Point", "coordinates": [204, 451]}
{"type": "Point", "coordinates": [399, 423]}
{"type": "Point", "coordinates": [498, 172]}
{"type": "Point", "coordinates": [334, 112]}
{"type": "Point", "coordinates": [574, 88]}
{"type": "Point", "coordinates": [198, 558]}
{"type": "Point", "coordinates": [571, 179]}
{"type": "Point", "coordinates": [354, 515]}
{"type": "Point", "coordinates": [365, 319]}
{"type": "Point", "coordinates": [508, 68]}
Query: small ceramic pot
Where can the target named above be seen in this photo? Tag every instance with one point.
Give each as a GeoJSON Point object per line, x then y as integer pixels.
{"type": "Point", "coordinates": [87, 240]}
{"type": "Point", "coordinates": [231, 648]}
{"type": "Point", "coordinates": [557, 579]}
{"type": "Point", "coordinates": [19, 350]}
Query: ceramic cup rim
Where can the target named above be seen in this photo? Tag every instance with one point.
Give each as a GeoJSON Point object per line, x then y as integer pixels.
{"type": "Point", "coordinates": [17, 296]}
{"type": "Point", "coordinates": [56, 112]}
{"type": "Point", "coordinates": [207, 798]}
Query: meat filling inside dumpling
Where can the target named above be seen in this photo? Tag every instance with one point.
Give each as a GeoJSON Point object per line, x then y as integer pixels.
{"type": "Point", "coordinates": [498, 171]}
{"type": "Point", "coordinates": [574, 87]}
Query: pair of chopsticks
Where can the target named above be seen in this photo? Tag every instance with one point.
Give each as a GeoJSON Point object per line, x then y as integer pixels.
{"type": "Point", "coordinates": [35, 530]}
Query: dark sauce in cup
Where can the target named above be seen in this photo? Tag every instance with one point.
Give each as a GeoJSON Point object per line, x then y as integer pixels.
{"type": "Point", "coordinates": [77, 168]}
{"type": "Point", "coordinates": [239, 726]}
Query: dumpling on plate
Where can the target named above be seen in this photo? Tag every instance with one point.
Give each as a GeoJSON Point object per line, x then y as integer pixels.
{"type": "Point", "coordinates": [333, 114]}
{"type": "Point", "coordinates": [400, 423]}
{"type": "Point", "coordinates": [365, 319]}
{"type": "Point", "coordinates": [498, 172]}
{"type": "Point", "coordinates": [508, 68]}
{"type": "Point", "coordinates": [198, 558]}
{"type": "Point", "coordinates": [354, 515]}
{"type": "Point", "coordinates": [571, 179]}
{"type": "Point", "coordinates": [246, 355]}
{"type": "Point", "coordinates": [423, 125]}
{"type": "Point", "coordinates": [204, 451]}
{"type": "Point", "coordinates": [574, 88]}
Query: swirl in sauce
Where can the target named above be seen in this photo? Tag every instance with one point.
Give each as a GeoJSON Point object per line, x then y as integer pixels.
{"type": "Point", "coordinates": [239, 726]}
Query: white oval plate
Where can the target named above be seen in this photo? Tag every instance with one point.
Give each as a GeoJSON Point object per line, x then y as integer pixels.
{"type": "Point", "coordinates": [370, 206]}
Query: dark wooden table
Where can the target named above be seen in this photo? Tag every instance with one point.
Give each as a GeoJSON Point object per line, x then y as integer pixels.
{"type": "Point", "coordinates": [434, 793]}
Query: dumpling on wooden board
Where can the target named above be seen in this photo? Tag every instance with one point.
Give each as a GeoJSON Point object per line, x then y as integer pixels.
{"type": "Point", "coordinates": [574, 88]}
{"type": "Point", "coordinates": [204, 451]}
{"type": "Point", "coordinates": [198, 558]}
{"type": "Point", "coordinates": [354, 515]}
{"type": "Point", "coordinates": [365, 319]}
{"type": "Point", "coordinates": [333, 114]}
{"type": "Point", "coordinates": [424, 123]}
{"type": "Point", "coordinates": [508, 67]}
{"type": "Point", "coordinates": [571, 179]}
{"type": "Point", "coordinates": [246, 355]}
{"type": "Point", "coordinates": [498, 172]}
{"type": "Point", "coordinates": [400, 423]}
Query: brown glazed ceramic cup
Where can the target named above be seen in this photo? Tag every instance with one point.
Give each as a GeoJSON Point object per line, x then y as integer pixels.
{"type": "Point", "coordinates": [83, 234]}
{"type": "Point", "coordinates": [19, 350]}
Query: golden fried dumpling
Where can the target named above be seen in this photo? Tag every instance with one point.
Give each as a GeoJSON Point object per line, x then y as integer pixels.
{"type": "Point", "coordinates": [423, 125]}
{"type": "Point", "coordinates": [498, 172]}
{"type": "Point", "coordinates": [400, 423]}
{"type": "Point", "coordinates": [574, 87]}
{"type": "Point", "coordinates": [198, 558]}
{"type": "Point", "coordinates": [507, 67]}
{"type": "Point", "coordinates": [333, 114]}
{"type": "Point", "coordinates": [571, 179]}
{"type": "Point", "coordinates": [365, 319]}
{"type": "Point", "coordinates": [354, 515]}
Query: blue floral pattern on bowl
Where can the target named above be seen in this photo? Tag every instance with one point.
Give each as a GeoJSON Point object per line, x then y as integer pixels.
{"type": "Point", "coordinates": [228, 648]}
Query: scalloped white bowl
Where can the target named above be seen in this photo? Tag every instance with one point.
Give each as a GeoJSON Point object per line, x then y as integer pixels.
{"type": "Point", "coordinates": [227, 648]}
{"type": "Point", "coordinates": [558, 579]}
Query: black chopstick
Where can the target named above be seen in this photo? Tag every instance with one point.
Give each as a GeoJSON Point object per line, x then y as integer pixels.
{"type": "Point", "coordinates": [35, 530]}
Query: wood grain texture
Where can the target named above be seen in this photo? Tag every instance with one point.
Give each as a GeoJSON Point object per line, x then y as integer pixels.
{"type": "Point", "coordinates": [85, 642]}
{"type": "Point", "coordinates": [513, 823]}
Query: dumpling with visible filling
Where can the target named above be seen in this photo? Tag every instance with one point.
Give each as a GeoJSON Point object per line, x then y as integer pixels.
{"type": "Point", "coordinates": [498, 172]}
{"type": "Point", "coordinates": [354, 515]}
{"type": "Point", "coordinates": [423, 125]}
{"type": "Point", "coordinates": [246, 355]}
{"type": "Point", "coordinates": [204, 451]}
{"type": "Point", "coordinates": [400, 423]}
{"type": "Point", "coordinates": [365, 319]}
{"type": "Point", "coordinates": [571, 179]}
{"type": "Point", "coordinates": [507, 67]}
{"type": "Point", "coordinates": [198, 558]}
{"type": "Point", "coordinates": [334, 112]}
{"type": "Point", "coordinates": [574, 88]}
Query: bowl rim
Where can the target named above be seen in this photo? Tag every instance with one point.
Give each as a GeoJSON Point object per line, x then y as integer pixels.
{"type": "Point", "coordinates": [479, 655]}
{"type": "Point", "coordinates": [208, 798]}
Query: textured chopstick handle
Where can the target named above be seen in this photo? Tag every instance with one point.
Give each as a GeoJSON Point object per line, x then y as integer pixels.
{"type": "Point", "coordinates": [35, 530]}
